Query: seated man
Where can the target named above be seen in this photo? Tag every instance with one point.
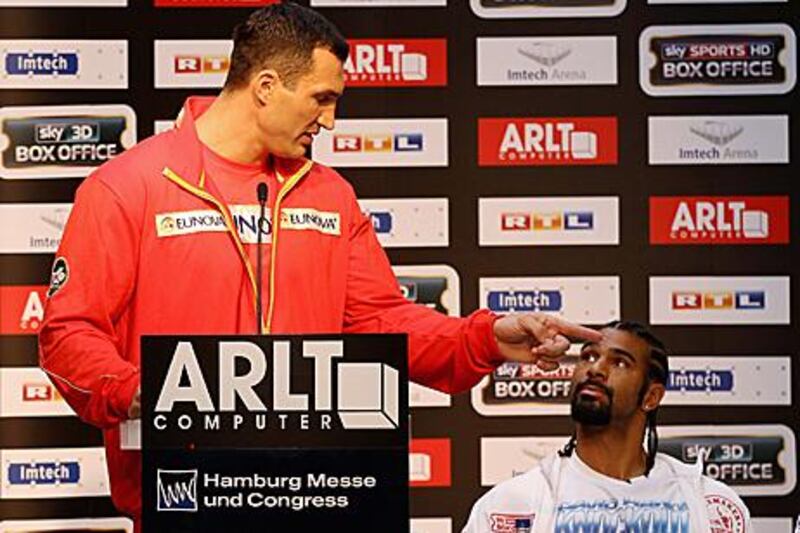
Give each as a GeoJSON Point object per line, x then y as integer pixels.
{"type": "Point", "coordinates": [605, 479]}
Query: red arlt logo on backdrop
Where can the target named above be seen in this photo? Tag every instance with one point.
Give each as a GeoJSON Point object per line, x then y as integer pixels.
{"type": "Point", "coordinates": [547, 141]}
{"type": "Point", "coordinates": [21, 309]}
{"type": "Point", "coordinates": [396, 63]}
{"type": "Point", "coordinates": [429, 462]}
{"type": "Point", "coordinates": [214, 3]}
{"type": "Point", "coordinates": [719, 220]}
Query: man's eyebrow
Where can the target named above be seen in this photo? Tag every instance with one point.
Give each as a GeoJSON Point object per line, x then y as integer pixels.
{"type": "Point", "coordinates": [329, 93]}
{"type": "Point", "coordinates": [620, 351]}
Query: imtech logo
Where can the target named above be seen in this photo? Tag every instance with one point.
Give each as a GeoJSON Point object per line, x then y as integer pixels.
{"type": "Point", "coordinates": [191, 63]}
{"type": "Point", "coordinates": [717, 60]}
{"type": "Point", "coordinates": [396, 63]}
{"type": "Point", "coordinates": [53, 473]}
{"type": "Point", "coordinates": [383, 143]}
{"type": "Point", "coordinates": [719, 300]}
{"type": "Point", "coordinates": [742, 300]}
{"type": "Point", "coordinates": [53, 64]}
{"type": "Point", "coordinates": [547, 141]}
{"type": "Point", "coordinates": [719, 220]}
{"type": "Point", "coordinates": [520, 301]}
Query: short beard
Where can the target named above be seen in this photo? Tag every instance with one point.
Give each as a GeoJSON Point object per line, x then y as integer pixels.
{"type": "Point", "coordinates": [591, 413]}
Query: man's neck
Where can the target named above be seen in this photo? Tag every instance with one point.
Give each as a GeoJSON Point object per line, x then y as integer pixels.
{"type": "Point", "coordinates": [611, 450]}
{"type": "Point", "coordinates": [228, 128]}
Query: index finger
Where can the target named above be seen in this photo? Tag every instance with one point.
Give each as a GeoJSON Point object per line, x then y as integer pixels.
{"type": "Point", "coordinates": [575, 331]}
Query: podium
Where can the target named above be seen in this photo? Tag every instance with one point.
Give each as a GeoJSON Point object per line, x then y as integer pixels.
{"type": "Point", "coordinates": [275, 433]}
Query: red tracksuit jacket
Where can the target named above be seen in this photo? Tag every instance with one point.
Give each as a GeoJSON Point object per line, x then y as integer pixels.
{"type": "Point", "coordinates": [130, 272]}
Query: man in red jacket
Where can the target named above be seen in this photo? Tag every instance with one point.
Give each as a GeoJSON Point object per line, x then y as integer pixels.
{"type": "Point", "coordinates": [163, 239]}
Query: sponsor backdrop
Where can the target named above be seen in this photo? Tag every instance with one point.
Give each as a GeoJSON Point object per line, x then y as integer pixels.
{"type": "Point", "coordinates": [597, 159]}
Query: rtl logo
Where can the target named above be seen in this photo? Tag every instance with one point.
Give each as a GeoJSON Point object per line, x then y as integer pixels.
{"type": "Point", "coordinates": [398, 142]}
{"type": "Point", "coordinates": [557, 221]}
{"type": "Point", "coordinates": [718, 301]}
{"type": "Point", "coordinates": [540, 141]}
{"type": "Point", "coordinates": [40, 392]}
{"type": "Point", "coordinates": [396, 62]}
{"type": "Point", "coordinates": [185, 64]}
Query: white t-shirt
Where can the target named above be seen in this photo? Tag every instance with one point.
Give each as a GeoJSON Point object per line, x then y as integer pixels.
{"type": "Point", "coordinates": [587, 501]}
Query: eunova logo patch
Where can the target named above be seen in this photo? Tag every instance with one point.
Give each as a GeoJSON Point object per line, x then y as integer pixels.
{"type": "Point", "coordinates": [754, 460]}
{"type": "Point", "coordinates": [62, 141]}
{"type": "Point", "coordinates": [547, 141]}
{"type": "Point", "coordinates": [546, 61]}
{"type": "Point", "coordinates": [311, 219]}
{"type": "Point", "coordinates": [396, 63]}
{"type": "Point", "coordinates": [717, 60]}
{"type": "Point", "coordinates": [73, 64]}
{"type": "Point", "coordinates": [719, 220]}
{"type": "Point", "coordinates": [547, 8]}
{"type": "Point", "coordinates": [718, 139]}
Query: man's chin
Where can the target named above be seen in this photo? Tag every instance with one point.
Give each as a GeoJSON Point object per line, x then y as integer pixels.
{"type": "Point", "coordinates": [591, 414]}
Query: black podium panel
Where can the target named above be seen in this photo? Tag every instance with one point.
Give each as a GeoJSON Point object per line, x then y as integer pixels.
{"type": "Point", "coordinates": [292, 433]}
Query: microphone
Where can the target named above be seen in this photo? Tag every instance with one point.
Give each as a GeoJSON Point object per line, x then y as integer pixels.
{"type": "Point", "coordinates": [261, 192]}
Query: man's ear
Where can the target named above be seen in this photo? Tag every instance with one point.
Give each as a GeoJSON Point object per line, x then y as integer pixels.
{"type": "Point", "coordinates": [653, 396]}
{"type": "Point", "coordinates": [264, 84]}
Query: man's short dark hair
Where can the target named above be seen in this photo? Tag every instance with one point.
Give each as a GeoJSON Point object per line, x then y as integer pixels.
{"type": "Point", "coordinates": [281, 37]}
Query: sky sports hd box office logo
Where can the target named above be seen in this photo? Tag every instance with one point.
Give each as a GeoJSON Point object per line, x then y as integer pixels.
{"type": "Point", "coordinates": [56, 64]}
{"type": "Point", "coordinates": [717, 60]}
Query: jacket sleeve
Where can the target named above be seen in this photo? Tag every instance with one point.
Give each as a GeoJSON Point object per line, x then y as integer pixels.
{"type": "Point", "coordinates": [726, 510]}
{"type": "Point", "coordinates": [79, 346]}
{"type": "Point", "coordinates": [446, 353]}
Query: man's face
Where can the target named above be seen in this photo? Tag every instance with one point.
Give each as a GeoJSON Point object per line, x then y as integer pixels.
{"type": "Point", "coordinates": [608, 379]}
{"type": "Point", "coordinates": [293, 115]}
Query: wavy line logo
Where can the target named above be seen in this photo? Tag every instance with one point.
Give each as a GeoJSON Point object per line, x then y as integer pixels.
{"type": "Point", "coordinates": [177, 490]}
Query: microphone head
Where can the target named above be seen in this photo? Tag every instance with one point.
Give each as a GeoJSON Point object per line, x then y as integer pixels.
{"type": "Point", "coordinates": [261, 190]}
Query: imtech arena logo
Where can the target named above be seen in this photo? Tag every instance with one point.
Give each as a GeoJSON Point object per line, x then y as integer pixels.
{"type": "Point", "coordinates": [521, 301]}
{"type": "Point", "coordinates": [719, 301]}
{"type": "Point", "coordinates": [33, 63]}
{"type": "Point", "coordinates": [44, 473]}
{"type": "Point", "coordinates": [366, 396]}
{"type": "Point", "coordinates": [525, 382]}
{"type": "Point", "coordinates": [396, 63]}
{"type": "Point", "coordinates": [558, 221]}
{"type": "Point", "coordinates": [547, 141]}
{"type": "Point", "coordinates": [719, 220]}
{"type": "Point", "coordinates": [21, 308]}
{"type": "Point", "coordinates": [732, 59]}
{"type": "Point", "coordinates": [378, 142]}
